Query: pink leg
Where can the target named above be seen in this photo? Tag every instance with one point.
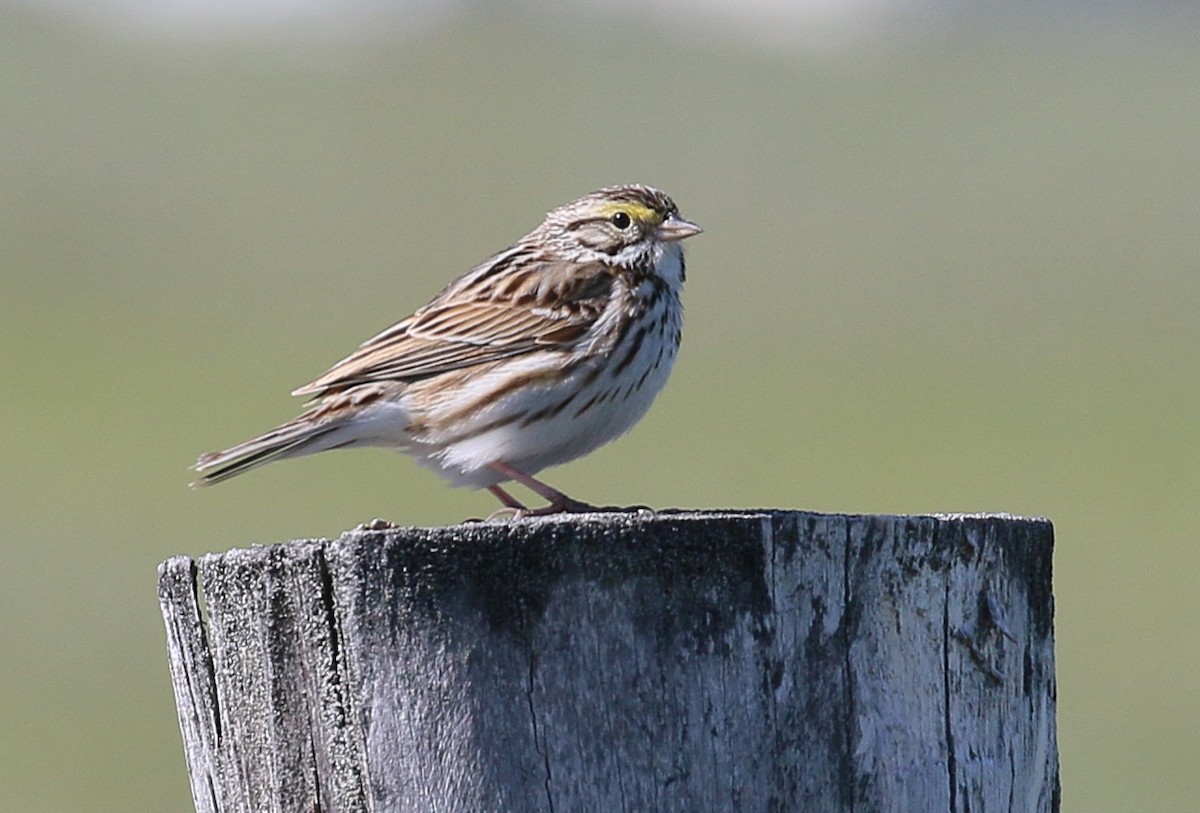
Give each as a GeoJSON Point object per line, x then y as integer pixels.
{"type": "Point", "coordinates": [512, 507]}
{"type": "Point", "coordinates": [509, 500]}
{"type": "Point", "coordinates": [559, 502]}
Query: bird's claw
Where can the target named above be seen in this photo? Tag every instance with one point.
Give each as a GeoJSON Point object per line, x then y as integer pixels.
{"type": "Point", "coordinates": [377, 524]}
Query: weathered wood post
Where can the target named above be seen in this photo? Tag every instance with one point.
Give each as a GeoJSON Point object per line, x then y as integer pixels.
{"type": "Point", "coordinates": [709, 661]}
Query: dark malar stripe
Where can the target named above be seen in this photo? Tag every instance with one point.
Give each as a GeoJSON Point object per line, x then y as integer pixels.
{"type": "Point", "coordinates": [643, 270]}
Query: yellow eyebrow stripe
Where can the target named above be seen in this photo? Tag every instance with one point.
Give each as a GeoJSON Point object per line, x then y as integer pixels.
{"type": "Point", "coordinates": [637, 211]}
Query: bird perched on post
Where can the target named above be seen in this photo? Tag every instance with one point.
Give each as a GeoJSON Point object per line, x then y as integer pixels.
{"type": "Point", "coordinates": [539, 355]}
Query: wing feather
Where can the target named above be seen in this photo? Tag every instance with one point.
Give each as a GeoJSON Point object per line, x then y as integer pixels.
{"type": "Point", "coordinates": [453, 331]}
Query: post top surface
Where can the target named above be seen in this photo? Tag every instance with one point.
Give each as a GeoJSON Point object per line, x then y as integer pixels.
{"type": "Point", "coordinates": [625, 521]}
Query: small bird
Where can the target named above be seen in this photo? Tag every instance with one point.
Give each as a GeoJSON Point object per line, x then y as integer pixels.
{"type": "Point", "coordinates": [539, 355]}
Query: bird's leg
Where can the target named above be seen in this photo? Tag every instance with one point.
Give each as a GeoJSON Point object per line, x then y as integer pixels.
{"type": "Point", "coordinates": [513, 509]}
{"type": "Point", "coordinates": [559, 502]}
{"type": "Point", "coordinates": [509, 500]}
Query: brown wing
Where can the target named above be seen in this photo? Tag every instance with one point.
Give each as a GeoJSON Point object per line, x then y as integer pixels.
{"type": "Point", "coordinates": [454, 332]}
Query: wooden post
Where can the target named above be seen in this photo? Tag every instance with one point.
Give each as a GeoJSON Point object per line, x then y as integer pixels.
{"type": "Point", "coordinates": [711, 661]}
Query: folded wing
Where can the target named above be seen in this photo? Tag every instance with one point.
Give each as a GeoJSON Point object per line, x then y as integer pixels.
{"type": "Point", "coordinates": [452, 334]}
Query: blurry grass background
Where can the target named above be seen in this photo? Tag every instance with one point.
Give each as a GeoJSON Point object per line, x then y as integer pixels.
{"type": "Point", "coordinates": [957, 270]}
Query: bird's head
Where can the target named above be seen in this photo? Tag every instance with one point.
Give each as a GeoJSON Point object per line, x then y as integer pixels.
{"type": "Point", "coordinates": [617, 224]}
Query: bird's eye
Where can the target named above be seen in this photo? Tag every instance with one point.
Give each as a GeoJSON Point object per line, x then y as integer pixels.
{"type": "Point", "coordinates": [621, 220]}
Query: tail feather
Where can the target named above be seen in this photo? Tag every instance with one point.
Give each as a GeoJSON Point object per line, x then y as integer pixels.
{"type": "Point", "coordinates": [293, 439]}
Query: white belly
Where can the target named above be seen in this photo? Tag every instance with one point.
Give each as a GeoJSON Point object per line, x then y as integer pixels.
{"type": "Point", "coordinates": [602, 411]}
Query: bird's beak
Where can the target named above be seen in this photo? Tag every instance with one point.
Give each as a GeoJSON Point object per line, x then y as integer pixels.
{"type": "Point", "coordinates": [676, 228]}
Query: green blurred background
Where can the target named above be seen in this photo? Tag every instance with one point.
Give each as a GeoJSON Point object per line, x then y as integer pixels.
{"type": "Point", "coordinates": [946, 267]}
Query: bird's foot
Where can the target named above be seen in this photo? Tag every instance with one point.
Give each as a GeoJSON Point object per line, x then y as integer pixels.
{"type": "Point", "coordinates": [567, 506]}
{"type": "Point", "coordinates": [377, 524]}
